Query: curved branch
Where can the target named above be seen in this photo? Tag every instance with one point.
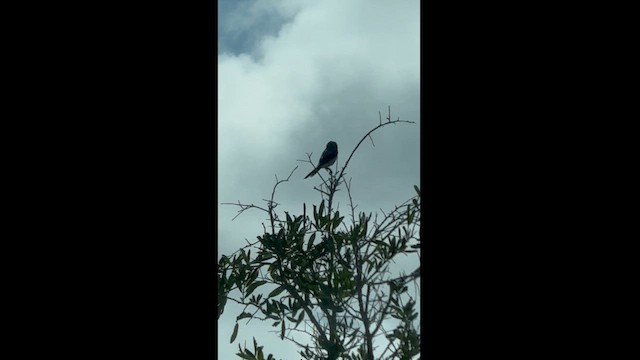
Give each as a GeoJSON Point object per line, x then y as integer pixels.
{"type": "Point", "coordinates": [369, 134]}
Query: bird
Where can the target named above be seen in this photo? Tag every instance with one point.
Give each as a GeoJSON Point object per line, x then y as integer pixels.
{"type": "Point", "coordinates": [328, 157]}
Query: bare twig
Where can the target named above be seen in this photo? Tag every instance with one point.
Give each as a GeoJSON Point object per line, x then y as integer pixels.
{"type": "Point", "coordinates": [244, 207]}
{"type": "Point", "coordinates": [271, 202]}
{"type": "Point", "coordinates": [273, 218]}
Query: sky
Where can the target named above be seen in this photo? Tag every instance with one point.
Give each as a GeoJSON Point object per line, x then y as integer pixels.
{"type": "Point", "coordinates": [293, 75]}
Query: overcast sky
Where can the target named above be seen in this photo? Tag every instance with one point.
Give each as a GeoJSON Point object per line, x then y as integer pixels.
{"type": "Point", "coordinates": [293, 75]}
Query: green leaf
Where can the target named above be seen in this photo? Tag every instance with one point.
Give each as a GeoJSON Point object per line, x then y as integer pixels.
{"type": "Point", "coordinates": [276, 291]}
{"type": "Point", "coordinates": [283, 307]}
{"type": "Point", "coordinates": [310, 243]}
{"type": "Point", "coordinates": [254, 286]}
{"type": "Point", "coordinates": [248, 352]}
{"type": "Point", "coordinates": [246, 357]}
{"type": "Point", "coordinates": [337, 220]}
{"type": "Point", "coordinates": [269, 308]}
{"type": "Point", "coordinates": [315, 213]}
{"type": "Point", "coordinates": [417, 189]}
{"type": "Point", "coordinates": [235, 333]}
{"type": "Point", "coordinates": [282, 332]}
{"type": "Point", "coordinates": [238, 281]}
{"type": "Point", "coordinates": [253, 276]}
{"type": "Point", "coordinates": [262, 257]}
{"type": "Point", "coordinates": [244, 315]}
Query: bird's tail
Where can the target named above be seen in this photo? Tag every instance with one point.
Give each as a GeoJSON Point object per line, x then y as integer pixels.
{"type": "Point", "coordinates": [313, 172]}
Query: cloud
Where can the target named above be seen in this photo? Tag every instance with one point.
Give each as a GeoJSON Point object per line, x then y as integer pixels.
{"type": "Point", "coordinates": [293, 75]}
{"type": "Point", "coordinates": [329, 53]}
{"type": "Point", "coordinates": [243, 23]}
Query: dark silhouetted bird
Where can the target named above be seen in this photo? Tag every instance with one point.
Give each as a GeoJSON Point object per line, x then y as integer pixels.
{"type": "Point", "coordinates": [328, 157]}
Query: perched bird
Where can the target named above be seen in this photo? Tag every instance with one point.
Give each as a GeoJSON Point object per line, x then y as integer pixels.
{"type": "Point", "coordinates": [328, 157]}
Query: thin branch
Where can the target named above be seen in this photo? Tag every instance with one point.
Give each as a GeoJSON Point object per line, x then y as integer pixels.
{"type": "Point", "coordinates": [384, 311]}
{"type": "Point", "coordinates": [244, 207]}
{"type": "Point", "coordinates": [368, 134]}
{"type": "Point", "coordinates": [271, 202]}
